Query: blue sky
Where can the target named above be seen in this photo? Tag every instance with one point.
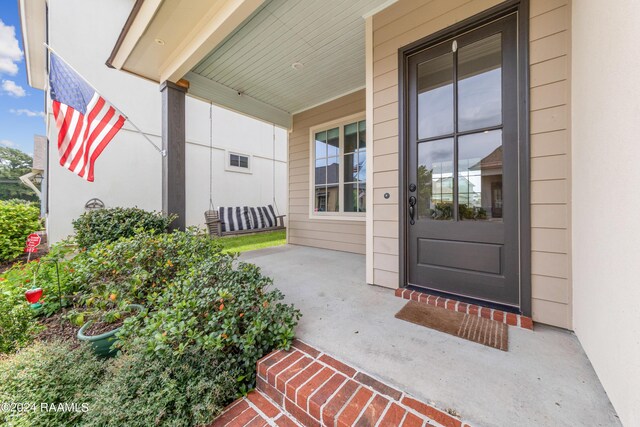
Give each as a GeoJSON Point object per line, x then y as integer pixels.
{"type": "Point", "coordinates": [21, 107]}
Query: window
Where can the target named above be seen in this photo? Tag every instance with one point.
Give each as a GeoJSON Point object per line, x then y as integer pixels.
{"type": "Point", "coordinates": [238, 161]}
{"type": "Point", "coordinates": [340, 168]}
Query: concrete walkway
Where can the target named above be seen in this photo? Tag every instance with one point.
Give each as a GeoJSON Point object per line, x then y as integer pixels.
{"type": "Point", "coordinates": [544, 380]}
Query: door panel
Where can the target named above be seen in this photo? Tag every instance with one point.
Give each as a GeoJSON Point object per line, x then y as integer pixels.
{"type": "Point", "coordinates": [462, 159]}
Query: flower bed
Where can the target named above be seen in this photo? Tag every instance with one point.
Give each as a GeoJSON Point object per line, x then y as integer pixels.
{"type": "Point", "coordinates": [207, 320]}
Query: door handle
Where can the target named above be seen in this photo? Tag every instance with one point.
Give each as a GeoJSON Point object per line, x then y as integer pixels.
{"type": "Point", "coordinates": [412, 209]}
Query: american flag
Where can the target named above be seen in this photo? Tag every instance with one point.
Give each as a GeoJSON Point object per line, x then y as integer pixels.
{"type": "Point", "coordinates": [86, 121]}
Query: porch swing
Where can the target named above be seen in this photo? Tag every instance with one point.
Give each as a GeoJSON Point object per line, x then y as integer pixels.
{"type": "Point", "coordinates": [230, 221]}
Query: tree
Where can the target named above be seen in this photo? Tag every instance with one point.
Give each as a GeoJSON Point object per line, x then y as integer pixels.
{"type": "Point", "coordinates": [13, 164]}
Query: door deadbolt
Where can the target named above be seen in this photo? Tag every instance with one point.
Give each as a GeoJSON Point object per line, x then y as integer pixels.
{"type": "Point", "coordinates": [412, 187]}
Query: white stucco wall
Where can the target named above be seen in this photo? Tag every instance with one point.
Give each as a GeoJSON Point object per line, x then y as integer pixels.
{"type": "Point", "coordinates": [606, 226]}
{"type": "Point", "coordinates": [128, 173]}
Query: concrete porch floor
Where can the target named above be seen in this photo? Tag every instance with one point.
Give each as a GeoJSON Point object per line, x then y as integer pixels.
{"type": "Point", "coordinates": [544, 380]}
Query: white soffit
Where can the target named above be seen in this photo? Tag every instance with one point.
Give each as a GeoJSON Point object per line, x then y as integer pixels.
{"type": "Point", "coordinates": [33, 23]}
{"type": "Point", "coordinates": [327, 37]}
{"type": "Point", "coordinates": [168, 37]}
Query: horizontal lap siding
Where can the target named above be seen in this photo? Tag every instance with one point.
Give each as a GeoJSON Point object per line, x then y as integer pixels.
{"type": "Point", "coordinates": [407, 21]}
{"type": "Point", "coordinates": [341, 235]}
{"type": "Point", "coordinates": [549, 46]}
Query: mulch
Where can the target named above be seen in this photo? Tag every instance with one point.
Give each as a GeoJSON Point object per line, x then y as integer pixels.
{"type": "Point", "coordinates": [6, 265]}
{"type": "Point", "coordinates": [58, 328]}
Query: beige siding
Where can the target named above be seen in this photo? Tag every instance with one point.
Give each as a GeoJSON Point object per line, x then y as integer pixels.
{"type": "Point", "coordinates": [407, 21]}
{"type": "Point", "coordinates": [336, 234]}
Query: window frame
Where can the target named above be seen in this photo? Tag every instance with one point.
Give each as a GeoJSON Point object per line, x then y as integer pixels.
{"type": "Point", "coordinates": [231, 168]}
{"type": "Point", "coordinates": [340, 124]}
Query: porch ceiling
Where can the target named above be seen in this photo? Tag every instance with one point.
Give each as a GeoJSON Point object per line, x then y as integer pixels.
{"type": "Point", "coordinates": [327, 37]}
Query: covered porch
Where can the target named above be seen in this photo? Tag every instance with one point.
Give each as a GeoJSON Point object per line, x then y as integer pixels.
{"type": "Point", "coordinates": [544, 379]}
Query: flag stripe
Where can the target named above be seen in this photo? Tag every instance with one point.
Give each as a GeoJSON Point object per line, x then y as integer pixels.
{"type": "Point", "coordinates": [101, 146]}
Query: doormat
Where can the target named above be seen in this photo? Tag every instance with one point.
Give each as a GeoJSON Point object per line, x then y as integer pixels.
{"type": "Point", "coordinates": [473, 328]}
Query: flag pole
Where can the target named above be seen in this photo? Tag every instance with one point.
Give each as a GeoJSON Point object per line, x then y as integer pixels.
{"type": "Point", "coordinates": [161, 151]}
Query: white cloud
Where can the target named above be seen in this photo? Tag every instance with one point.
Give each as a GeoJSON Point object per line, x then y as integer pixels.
{"type": "Point", "coordinates": [13, 89]}
{"type": "Point", "coordinates": [10, 53]}
{"type": "Point", "coordinates": [7, 143]}
{"type": "Point", "coordinates": [28, 113]}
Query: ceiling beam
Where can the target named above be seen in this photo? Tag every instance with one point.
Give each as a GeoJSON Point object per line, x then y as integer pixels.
{"type": "Point", "coordinates": [206, 89]}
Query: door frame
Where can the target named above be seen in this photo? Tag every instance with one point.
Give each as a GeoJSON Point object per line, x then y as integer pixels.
{"type": "Point", "coordinates": [524, 174]}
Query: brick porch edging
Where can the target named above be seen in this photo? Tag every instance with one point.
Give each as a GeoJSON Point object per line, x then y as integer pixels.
{"type": "Point", "coordinates": [305, 387]}
{"type": "Point", "coordinates": [511, 319]}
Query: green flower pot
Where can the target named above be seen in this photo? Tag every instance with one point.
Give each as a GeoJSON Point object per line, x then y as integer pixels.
{"type": "Point", "coordinates": [102, 343]}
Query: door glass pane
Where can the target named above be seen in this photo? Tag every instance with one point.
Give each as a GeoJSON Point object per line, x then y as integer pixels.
{"type": "Point", "coordinates": [435, 97]}
{"type": "Point", "coordinates": [480, 176]}
{"type": "Point", "coordinates": [435, 180]}
{"type": "Point", "coordinates": [480, 84]}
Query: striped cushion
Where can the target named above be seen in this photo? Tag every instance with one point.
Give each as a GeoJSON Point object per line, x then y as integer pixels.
{"type": "Point", "coordinates": [265, 217]}
{"type": "Point", "coordinates": [234, 218]}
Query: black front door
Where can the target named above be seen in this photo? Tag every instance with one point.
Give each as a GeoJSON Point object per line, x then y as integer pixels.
{"type": "Point", "coordinates": [462, 165]}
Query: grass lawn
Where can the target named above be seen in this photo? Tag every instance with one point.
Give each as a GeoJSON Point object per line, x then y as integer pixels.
{"type": "Point", "coordinates": [251, 242]}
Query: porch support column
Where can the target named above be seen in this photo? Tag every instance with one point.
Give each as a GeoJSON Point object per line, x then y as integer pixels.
{"type": "Point", "coordinates": [173, 144]}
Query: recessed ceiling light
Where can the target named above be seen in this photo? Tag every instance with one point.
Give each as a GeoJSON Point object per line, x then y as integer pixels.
{"type": "Point", "coordinates": [297, 66]}
{"type": "Point", "coordinates": [159, 41]}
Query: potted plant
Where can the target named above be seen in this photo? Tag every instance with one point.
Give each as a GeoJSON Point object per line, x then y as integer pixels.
{"type": "Point", "coordinates": [101, 330]}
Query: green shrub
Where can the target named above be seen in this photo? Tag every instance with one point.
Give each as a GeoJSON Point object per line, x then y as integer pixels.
{"type": "Point", "coordinates": [154, 389]}
{"type": "Point", "coordinates": [197, 299]}
{"type": "Point", "coordinates": [129, 270]}
{"type": "Point", "coordinates": [109, 225]}
{"type": "Point", "coordinates": [17, 221]}
{"type": "Point", "coordinates": [219, 310]}
{"type": "Point", "coordinates": [18, 325]}
{"type": "Point", "coordinates": [51, 373]}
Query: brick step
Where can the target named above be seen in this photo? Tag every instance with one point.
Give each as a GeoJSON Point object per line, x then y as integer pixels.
{"type": "Point", "coordinates": [510, 319]}
{"type": "Point", "coordinates": [254, 410]}
{"type": "Point", "coordinates": [314, 389]}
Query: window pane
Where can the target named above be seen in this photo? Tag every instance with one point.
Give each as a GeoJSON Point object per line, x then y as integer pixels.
{"type": "Point", "coordinates": [333, 198]}
{"type": "Point", "coordinates": [350, 138]}
{"type": "Point", "coordinates": [480, 84]}
{"type": "Point", "coordinates": [351, 197]}
{"type": "Point", "coordinates": [244, 162]}
{"type": "Point", "coordinates": [480, 176]}
{"type": "Point", "coordinates": [435, 97]}
{"type": "Point", "coordinates": [321, 199]}
{"type": "Point", "coordinates": [321, 171]}
{"type": "Point", "coordinates": [333, 142]}
{"type": "Point", "coordinates": [362, 164]}
{"type": "Point", "coordinates": [435, 179]}
{"type": "Point", "coordinates": [333, 169]}
{"type": "Point", "coordinates": [350, 167]}
{"type": "Point", "coordinates": [362, 197]}
{"type": "Point", "coordinates": [321, 144]}
{"type": "Point", "coordinates": [362, 134]}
